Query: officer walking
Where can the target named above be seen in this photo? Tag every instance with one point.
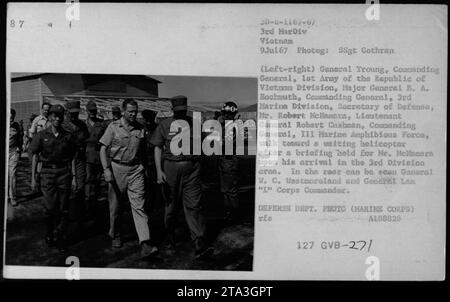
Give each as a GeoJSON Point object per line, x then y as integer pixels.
{"type": "Point", "coordinates": [57, 150]}
{"type": "Point", "coordinates": [79, 131]}
{"type": "Point", "coordinates": [27, 138]}
{"type": "Point", "coordinates": [41, 122]}
{"type": "Point", "coordinates": [182, 175]}
{"type": "Point", "coordinates": [125, 174]}
{"type": "Point", "coordinates": [96, 127]}
{"type": "Point", "coordinates": [228, 163]}
{"type": "Point", "coordinates": [151, 184]}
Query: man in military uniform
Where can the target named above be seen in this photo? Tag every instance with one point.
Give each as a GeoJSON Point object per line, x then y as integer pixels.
{"type": "Point", "coordinates": [15, 148]}
{"type": "Point", "coordinates": [228, 163]}
{"type": "Point", "coordinates": [41, 122]}
{"type": "Point", "coordinates": [182, 175]}
{"type": "Point", "coordinates": [151, 185]}
{"type": "Point", "coordinates": [125, 139]}
{"type": "Point", "coordinates": [57, 150]}
{"type": "Point", "coordinates": [79, 131]}
{"type": "Point", "coordinates": [27, 138]}
{"type": "Point", "coordinates": [96, 127]}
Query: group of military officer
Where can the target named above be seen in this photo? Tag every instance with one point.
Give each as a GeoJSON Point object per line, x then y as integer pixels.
{"type": "Point", "coordinates": [135, 159]}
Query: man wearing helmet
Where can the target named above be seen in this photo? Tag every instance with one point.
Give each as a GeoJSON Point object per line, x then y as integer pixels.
{"type": "Point", "coordinates": [228, 164]}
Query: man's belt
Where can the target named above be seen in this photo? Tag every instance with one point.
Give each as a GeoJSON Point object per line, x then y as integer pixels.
{"type": "Point", "coordinates": [126, 163]}
{"type": "Point", "coordinates": [54, 165]}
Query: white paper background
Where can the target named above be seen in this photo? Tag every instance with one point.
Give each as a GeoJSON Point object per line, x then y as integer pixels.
{"type": "Point", "coordinates": [223, 40]}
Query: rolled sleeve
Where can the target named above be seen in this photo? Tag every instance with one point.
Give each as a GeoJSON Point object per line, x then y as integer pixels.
{"type": "Point", "coordinates": [33, 127]}
{"type": "Point", "coordinates": [107, 137]}
{"type": "Point", "coordinates": [157, 138]}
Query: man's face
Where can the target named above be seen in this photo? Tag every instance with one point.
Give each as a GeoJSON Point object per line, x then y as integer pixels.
{"type": "Point", "coordinates": [12, 117]}
{"type": "Point", "coordinates": [130, 113]}
{"type": "Point", "coordinates": [56, 119]}
{"type": "Point", "coordinates": [45, 110]}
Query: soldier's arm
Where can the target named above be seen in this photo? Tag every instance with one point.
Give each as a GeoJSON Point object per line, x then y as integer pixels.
{"type": "Point", "coordinates": [142, 156]}
{"type": "Point", "coordinates": [33, 127]}
{"type": "Point", "coordinates": [104, 157]}
{"type": "Point", "coordinates": [105, 164]}
{"type": "Point", "coordinates": [157, 140]}
{"type": "Point", "coordinates": [33, 166]}
{"type": "Point", "coordinates": [35, 148]}
{"type": "Point", "coordinates": [158, 153]}
{"type": "Point", "coordinates": [160, 175]}
{"type": "Point", "coordinates": [73, 167]}
{"type": "Point", "coordinates": [105, 141]}
{"type": "Point", "coordinates": [73, 157]}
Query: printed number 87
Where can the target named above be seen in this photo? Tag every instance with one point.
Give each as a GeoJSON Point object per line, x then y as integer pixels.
{"type": "Point", "coordinates": [12, 23]}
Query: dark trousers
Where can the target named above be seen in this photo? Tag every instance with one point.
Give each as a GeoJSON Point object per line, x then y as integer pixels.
{"type": "Point", "coordinates": [152, 191]}
{"type": "Point", "coordinates": [93, 177]}
{"type": "Point", "coordinates": [76, 203]}
{"type": "Point", "coordinates": [183, 180]}
{"type": "Point", "coordinates": [228, 169]}
{"type": "Point", "coordinates": [55, 187]}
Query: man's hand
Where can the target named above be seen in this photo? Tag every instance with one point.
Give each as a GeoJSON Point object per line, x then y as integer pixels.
{"type": "Point", "coordinates": [33, 185]}
{"type": "Point", "coordinates": [108, 175]}
{"type": "Point", "coordinates": [74, 184]}
{"type": "Point", "coordinates": [160, 177]}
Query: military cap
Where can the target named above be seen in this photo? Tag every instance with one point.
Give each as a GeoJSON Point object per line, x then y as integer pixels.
{"type": "Point", "coordinates": [230, 107]}
{"type": "Point", "coordinates": [56, 109]}
{"type": "Point", "coordinates": [179, 103]}
{"type": "Point", "coordinates": [91, 105]}
{"type": "Point", "coordinates": [115, 109]}
{"type": "Point", "coordinates": [73, 106]}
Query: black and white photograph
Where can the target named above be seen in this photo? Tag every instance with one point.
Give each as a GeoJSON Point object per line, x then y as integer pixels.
{"type": "Point", "coordinates": [92, 173]}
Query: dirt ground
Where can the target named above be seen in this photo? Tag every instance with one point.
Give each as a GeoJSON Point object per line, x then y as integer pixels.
{"type": "Point", "coordinates": [232, 242]}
